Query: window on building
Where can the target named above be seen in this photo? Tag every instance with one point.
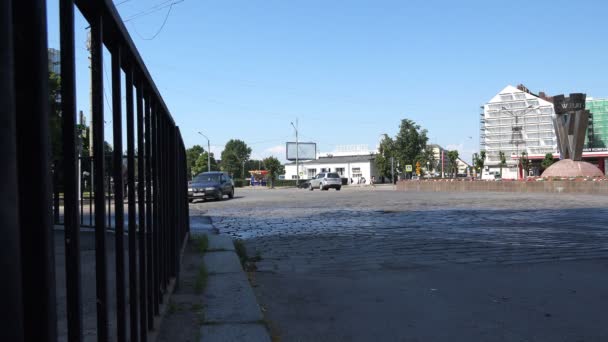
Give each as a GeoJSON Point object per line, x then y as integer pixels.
{"type": "Point", "coordinates": [312, 173]}
{"type": "Point", "coordinates": [340, 171]}
{"type": "Point", "coordinates": [356, 170]}
{"type": "Point", "coordinates": [294, 177]}
{"type": "Point", "coordinates": [325, 169]}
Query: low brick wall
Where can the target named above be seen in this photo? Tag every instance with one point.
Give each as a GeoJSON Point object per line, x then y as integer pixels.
{"type": "Point", "coordinates": [583, 187]}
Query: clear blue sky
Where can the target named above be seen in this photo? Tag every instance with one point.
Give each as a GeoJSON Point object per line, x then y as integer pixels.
{"type": "Point", "coordinates": [351, 70]}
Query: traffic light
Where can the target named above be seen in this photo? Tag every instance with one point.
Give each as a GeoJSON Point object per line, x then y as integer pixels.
{"type": "Point", "coordinates": [418, 168]}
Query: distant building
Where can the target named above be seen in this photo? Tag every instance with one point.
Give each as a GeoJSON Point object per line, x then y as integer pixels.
{"type": "Point", "coordinates": [512, 122]}
{"type": "Point", "coordinates": [54, 57]}
{"type": "Point", "coordinates": [354, 166]}
{"type": "Point", "coordinates": [516, 121]}
{"type": "Point", "coordinates": [597, 132]}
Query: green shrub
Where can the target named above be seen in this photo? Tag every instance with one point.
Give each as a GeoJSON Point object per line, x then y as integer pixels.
{"type": "Point", "coordinates": [239, 183]}
{"type": "Point", "coordinates": [286, 182]}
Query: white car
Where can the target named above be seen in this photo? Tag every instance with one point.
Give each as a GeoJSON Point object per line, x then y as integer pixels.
{"type": "Point", "coordinates": [326, 180]}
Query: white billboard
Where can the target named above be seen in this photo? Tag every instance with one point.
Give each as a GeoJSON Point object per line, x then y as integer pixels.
{"type": "Point", "coordinates": [305, 150]}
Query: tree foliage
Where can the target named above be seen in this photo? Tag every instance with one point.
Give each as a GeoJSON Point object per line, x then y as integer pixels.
{"type": "Point", "coordinates": [407, 148]}
{"type": "Point", "coordinates": [200, 165]}
{"type": "Point", "coordinates": [275, 168]}
{"type": "Point", "coordinates": [525, 163]}
{"type": "Point", "coordinates": [55, 130]}
{"type": "Point", "coordinates": [453, 162]}
{"type": "Point", "coordinates": [235, 153]}
{"type": "Point", "coordinates": [383, 159]}
{"type": "Point", "coordinates": [547, 161]}
{"type": "Point", "coordinates": [503, 161]}
{"type": "Point", "coordinates": [192, 155]}
{"type": "Point", "coordinates": [410, 143]}
{"type": "Point", "coordinates": [479, 161]}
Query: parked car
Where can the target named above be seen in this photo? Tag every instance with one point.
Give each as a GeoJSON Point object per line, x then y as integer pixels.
{"type": "Point", "coordinates": [211, 185]}
{"type": "Point", "coordinates": [326, 180]}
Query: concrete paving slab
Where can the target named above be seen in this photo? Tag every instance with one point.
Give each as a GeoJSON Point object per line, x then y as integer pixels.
{"type": "Point", "coordinates": [222, 262]}
{"type": "Point", "coordinates": [234, 333]}
{"type": "Point", "coordinates": [223, 242]}
{"type": "Point", "coordinates": [229, 299]}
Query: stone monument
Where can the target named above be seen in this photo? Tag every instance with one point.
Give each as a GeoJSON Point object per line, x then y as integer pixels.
{"type": "Point", "coordinates": [570, 123]}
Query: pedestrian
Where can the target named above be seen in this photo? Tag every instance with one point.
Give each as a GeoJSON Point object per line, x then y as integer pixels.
{"type": "Point", "coordinates": [372, 181]}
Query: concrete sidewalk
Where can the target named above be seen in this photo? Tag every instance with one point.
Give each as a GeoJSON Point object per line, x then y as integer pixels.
{"type": "Point", "coordinates": [227, 309]}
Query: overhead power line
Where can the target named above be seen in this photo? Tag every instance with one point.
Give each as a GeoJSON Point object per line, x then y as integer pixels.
{"type": "Point", "coordinates": [122, 2]}
{"type": "Point", "coordinates": [153, 9]}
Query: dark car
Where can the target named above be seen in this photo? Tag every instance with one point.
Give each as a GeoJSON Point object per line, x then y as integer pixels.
{"type": "Point", "coordinates": [211, 185]}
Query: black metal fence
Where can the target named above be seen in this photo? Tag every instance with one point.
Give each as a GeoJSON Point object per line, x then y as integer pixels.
{"type": "Point", "coordinates": [85, 190]}
{"type": "Point", "coordinates": [156, 214]}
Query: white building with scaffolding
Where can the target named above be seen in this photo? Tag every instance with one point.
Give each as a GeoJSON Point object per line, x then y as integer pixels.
{"type": "Point", "coordinates": [512, 122]}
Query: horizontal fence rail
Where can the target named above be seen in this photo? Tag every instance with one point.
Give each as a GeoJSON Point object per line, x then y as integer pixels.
{"type": "Point", "coordinates": [133, 200]}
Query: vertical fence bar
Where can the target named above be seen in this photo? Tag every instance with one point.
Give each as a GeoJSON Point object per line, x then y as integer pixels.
{"type": "Point", "coordinates": [163, 170]}
{"type": "Point", "coordinates": [10, 253]}
{"type": "Point", "coordinates": [99, 178]}
{"type": "Point", "coordinates": [91, 188]}
{"type": "Point", "coordinates": [149, 225]}
{"type": "Point", "coordinates": [81, 195]}
{"type": "Point", "coordinates": [119, 218]}
{"type": "Point", "coordinates": [131, 207]}
{"type": "Point", "coordinates": [108, 171]}
{"type": "Point", "coordinates": [70, 171]}
{"type": "Point", "coordinates": [158, 190]}
{"type": "Point", "coordinates": [174, 226]}
{"type": "Point", "coordinates": [32, 123]}
{"type": "Point", "coordinates": [143, 326]}
{"type": "Point", "coordinates": [55, 186]}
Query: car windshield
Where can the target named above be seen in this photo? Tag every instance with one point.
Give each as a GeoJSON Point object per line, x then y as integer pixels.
{"type": "Point", "coordinates": [207, 178]}
{"type": "Point", "coordinates": [333, 175]}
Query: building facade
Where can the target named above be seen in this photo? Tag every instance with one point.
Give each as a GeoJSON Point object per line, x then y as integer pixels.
{"type": "Point", "coordinates": [354, 167]}
{"type": "Point", "coordinates": [512, 122]}
{"type": "Point", "coordinates": [597, 132]}
{"type": "Point", "coordinates": [54, 57]}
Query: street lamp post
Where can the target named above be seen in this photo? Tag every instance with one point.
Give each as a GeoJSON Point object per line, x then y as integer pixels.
{"type": "Point", "coordinates": [297, 154]}
{"type": "Point", "coordinates": [516, 131]}
{"type": "Point", "coordinates": [208, 152]}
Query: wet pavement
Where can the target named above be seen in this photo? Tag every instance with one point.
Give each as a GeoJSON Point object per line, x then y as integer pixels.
{"type": "Point", "coordinates": [364, 264]}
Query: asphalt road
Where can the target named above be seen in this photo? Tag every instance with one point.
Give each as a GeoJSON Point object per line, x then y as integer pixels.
{"type": "Point", "coordinates": [368, 264]}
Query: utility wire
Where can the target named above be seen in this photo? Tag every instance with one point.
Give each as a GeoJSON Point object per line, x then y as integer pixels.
{"type": "Point", "coordinates": [122, 2]}
{"type": "Point", "coordinates": [161, 26]}
{"type": "Point", "coordinates": [153, 9]}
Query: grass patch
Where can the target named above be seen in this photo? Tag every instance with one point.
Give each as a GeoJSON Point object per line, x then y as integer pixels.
{"type": "Point", "coordinates": [201, 279]}
{"type": "Point", "coordinates": [201, 243]}
{"type": "Point", "coordinates": [172, 307]}
{"type": "Point", "coordinates": [248, 263]}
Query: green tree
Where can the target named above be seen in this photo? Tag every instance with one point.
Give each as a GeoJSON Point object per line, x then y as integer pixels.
{"type": "Point", "coordinates": [192, 155]}
{"type": "Point", "coordinates": [410, 143]}
{"type": "Point", "coordinates": [234, 155]}
{"type": "Point", "coordinates": [503, 161]}
{"type": "Point", "coordinates": [200, 165]}
{"type": "Point", "coordinates": [453, 162]}
{"type": "Point", "coordinates": [386, 150]}
{"type": "Point", "coordinates": [55, 115]}
{"type": "Point", "coordinates": [254, 164]}
{"type": "Point", "coordinates": [428, 159]}
{"type": "Point", "coordinates": [275, 168]}
{"type": "Point", "coordinates": [479, 161]}
{"type": "Point", "coordinates": [525, 163]}
{"type": "Point", "coordinates": [547, 161]}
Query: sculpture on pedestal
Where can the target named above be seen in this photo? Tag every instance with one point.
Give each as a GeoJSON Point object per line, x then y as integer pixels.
{"type": "Point", "coordinates": [570, 123]}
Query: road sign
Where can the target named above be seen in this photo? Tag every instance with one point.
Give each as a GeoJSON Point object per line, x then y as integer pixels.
{"type": "Point", "coordinates": [408, 168]}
